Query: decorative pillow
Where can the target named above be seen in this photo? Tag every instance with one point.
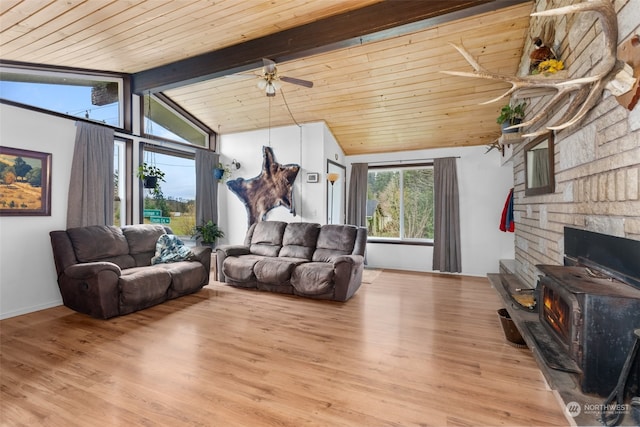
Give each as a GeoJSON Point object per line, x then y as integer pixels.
{"type": "Point", "coordinates": [170, 248]}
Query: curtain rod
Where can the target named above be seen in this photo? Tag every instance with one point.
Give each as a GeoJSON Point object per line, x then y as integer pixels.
{"type": "Point", "coordinates": [410, 160]}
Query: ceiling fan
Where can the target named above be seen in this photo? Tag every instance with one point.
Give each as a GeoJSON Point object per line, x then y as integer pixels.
{"type": "Point", "coordinates": [270, 80]}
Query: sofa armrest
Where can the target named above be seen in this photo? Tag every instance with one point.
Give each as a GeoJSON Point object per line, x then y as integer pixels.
{"type": "Point", "coordinates": [202, 254]}
{"type": "Point", "coordinates": [348, 275]}
{"type": "Point", "coordinates": [233, 250]}
{"type": "Point", "coordinates": [84, 271]}
{"type": "Point", "coordinates": [91, 288]}
{"type": "Point", "coordinates": [224, 251]}
{"type": "Point", "coordinates": [351, 259]}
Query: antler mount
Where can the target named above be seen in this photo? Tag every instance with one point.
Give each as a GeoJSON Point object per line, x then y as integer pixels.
{"type": "Point", "coordinates": [586, 90]}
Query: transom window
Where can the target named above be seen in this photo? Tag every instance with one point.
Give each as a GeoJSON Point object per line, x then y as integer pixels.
{"type": "Point", "coordinates": [400, 203]}
{"type": "Point", "coordinates": [90, 97]}
{"type": "Point", "coordinates": [160, 120]}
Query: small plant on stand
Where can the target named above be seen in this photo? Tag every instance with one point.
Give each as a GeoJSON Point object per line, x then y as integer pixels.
{"type": "Point", "coordinates": [207, 233]}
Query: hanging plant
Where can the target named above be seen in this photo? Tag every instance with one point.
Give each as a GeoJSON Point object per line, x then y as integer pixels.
{"type": "Point", "coordinates": [222, 172]}
{"type": "Point", "coordinates": [151, 176]}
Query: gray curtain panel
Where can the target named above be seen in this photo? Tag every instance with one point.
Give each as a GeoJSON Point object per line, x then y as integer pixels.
{"type": "Point", "coordinates": [446, 240]}
{"type": "Point", "coordinates": [357, 206]}
{"type": "Point", "coordinates": [206, 187]}
{"type": "Point", "coordinates": [91, 187]}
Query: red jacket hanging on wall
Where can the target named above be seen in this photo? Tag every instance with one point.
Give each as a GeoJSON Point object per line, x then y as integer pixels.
{"type": "Point", "coordinates": [506, 222]}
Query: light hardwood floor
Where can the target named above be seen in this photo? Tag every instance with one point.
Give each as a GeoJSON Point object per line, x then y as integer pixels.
{"type": "Point", "coordinates": [409, 349]}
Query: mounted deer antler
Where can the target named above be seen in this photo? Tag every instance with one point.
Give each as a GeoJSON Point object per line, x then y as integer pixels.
{"type": "Point", "coordinates": [587, 89]}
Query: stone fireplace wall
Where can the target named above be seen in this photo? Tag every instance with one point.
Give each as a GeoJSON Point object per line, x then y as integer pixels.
{"type": "Point", "coordinates": [597, 164]}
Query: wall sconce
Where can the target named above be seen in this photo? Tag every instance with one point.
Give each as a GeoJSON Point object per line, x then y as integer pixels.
{"type": "Point", "coordinates": [235, 164]}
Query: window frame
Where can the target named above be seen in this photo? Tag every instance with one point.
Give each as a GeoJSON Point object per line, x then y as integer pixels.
{"type": "Point", "coordinates": [401, 240]}
{"type": "Point", "coordinates": [125, 182]}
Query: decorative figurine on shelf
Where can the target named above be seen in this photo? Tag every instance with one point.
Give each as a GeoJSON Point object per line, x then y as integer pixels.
{"type": "Point", "coordinates": [539, 54]}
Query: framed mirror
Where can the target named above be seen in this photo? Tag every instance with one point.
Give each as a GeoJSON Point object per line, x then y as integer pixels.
{"type": "Point", "coordinates": [539, 166]}
{"type": "Point", "coordinates": [336, 193]}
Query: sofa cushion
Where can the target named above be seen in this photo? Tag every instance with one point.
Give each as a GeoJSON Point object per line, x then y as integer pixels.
{"type": "Point", "coordinates": [141, 285]}
{"type": "Point", "coordinates": [334, 240]}
{"type": "Point", "coordinates": [240, 269]}
{"type": "Point", "coordinates": [142, 240]}
{"type": "Point", "coordinates": [275, 271]}
{"type": "Point", "coordinates": [299, 240]}
{"type": "Point", "coordinates": [100, 243]}
{"type": "Point", "coordinates": [266, 239]}
{"type": "Point", "coordinates": [313, 278]}
{"type": "Point", "coordinates": [186, 277]}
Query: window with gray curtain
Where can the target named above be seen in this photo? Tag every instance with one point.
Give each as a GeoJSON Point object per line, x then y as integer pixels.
{"type": "Point", "coordinates": [206, 187]}
{"type": "Point", "coordinates": [446, 241]}
{"type": "Point", "coordinates": [91, 187]}
{"type": "Point", "coordinates": [357, 206]}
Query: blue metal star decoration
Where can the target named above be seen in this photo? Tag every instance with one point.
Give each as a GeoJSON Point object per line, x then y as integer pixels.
{"type": "Point", "coordinates": [272, 188]}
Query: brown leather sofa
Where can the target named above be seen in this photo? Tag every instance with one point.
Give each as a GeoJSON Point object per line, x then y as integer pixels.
{"type": "Point", "coordinates": [106, 271]}
{"type": "Point", "coordinates": [306, 259]}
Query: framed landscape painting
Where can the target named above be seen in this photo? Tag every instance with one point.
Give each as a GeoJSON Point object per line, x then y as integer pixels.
{"type": "Point", "coordinates": [25, 182]}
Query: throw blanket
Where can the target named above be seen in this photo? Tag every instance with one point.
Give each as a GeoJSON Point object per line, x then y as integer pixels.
{"type": "Point", "coordinates": [170, 248]}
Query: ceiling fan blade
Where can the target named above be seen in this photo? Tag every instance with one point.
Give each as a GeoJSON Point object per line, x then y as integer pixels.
{"type": "Point", "coordinates": [269, 66]}
{"type": "Point", "coordinates": [300, 82]}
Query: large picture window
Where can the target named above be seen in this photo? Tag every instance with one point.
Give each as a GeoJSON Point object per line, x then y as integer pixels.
{"type": "Point", "coordinates": [400, 203]}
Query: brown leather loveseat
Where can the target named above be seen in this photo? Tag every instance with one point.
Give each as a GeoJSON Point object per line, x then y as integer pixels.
{"type": "Point", "coordinates": [106, 271]}
{"type": "Point", "coordinates": [300, 258]}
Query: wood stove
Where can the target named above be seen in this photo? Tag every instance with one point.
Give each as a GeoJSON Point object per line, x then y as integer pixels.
{"type": "Point", "coordinates": [588, 309]}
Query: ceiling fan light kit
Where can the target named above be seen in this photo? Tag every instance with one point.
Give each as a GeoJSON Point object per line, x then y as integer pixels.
{"type": "Point", "coordinates": [270, 80]}
{"type": "Point", "coordinates": [271, 89]}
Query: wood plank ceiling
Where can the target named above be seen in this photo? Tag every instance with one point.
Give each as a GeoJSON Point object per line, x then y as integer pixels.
{"type": "Point", "coordinates": [382, 95]}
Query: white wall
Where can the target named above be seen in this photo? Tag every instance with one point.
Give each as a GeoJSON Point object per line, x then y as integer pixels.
{"type": "Point", "coordinates": [27, 272]}
{"type": "Point", "coordinates": [305, 146]}
{"type": "Point", "coordinates": [483, 186]}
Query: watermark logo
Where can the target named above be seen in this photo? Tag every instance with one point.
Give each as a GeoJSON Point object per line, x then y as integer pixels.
{"type": "Point", "coordinates": [573, 409]}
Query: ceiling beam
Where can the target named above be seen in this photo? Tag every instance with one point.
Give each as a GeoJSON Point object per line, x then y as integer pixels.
{"type": "Point", "coordinates": [377, 22]}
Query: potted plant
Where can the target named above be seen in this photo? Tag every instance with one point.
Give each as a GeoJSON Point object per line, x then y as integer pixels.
{"type": "Point", "coordinates": [207, 233]}
{"type": "Point", "coordinates": [510, 116]}
{"type": "Point", "coordinates": [222, 171]}
{"type": "Point", "coordinates": [151, 176]}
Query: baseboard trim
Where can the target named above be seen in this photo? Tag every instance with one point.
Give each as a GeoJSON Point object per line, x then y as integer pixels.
{"type": "Point", "coordinates": [27, 310]}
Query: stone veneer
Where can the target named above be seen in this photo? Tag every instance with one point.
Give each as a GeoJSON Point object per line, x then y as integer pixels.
{"type": "Point", "coordinates": [597, 164]}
